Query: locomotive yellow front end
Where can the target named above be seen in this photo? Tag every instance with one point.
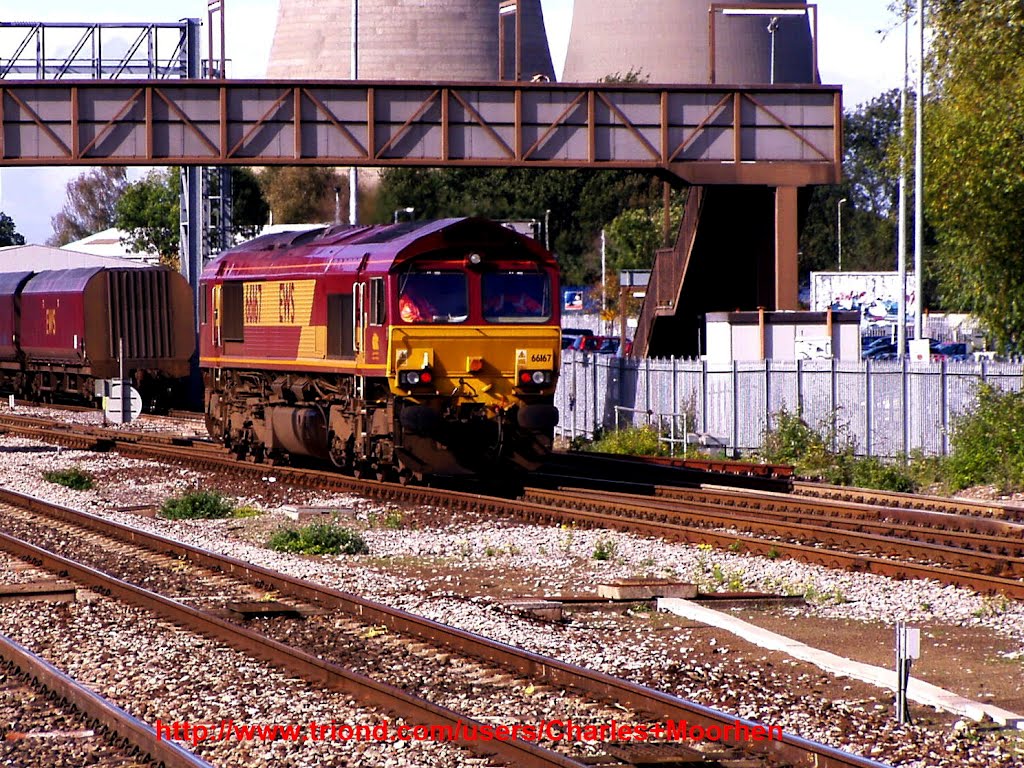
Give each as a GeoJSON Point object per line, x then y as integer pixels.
{"type": "Point", "coordinates": [473, 357]}
{"type": "Point", "coordinates": [475, 398]}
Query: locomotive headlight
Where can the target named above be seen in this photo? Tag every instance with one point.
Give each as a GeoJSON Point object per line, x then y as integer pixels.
{"type": "Point", "coordinates": [409, 379]}
{"type": "Point", "coordinates": [535, 378]}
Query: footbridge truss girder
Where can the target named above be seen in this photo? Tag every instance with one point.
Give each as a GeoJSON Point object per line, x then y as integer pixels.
{"type": "Point", "coordinates": [708, 134]}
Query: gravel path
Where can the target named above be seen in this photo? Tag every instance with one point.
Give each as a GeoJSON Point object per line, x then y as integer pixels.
{"type": "Point", "coordinates": [452, 570]}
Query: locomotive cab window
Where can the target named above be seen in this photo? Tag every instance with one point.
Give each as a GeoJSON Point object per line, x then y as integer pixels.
{"type": "Point", "coordinates": [377, 306]}
{"type": "Point", "coordinates": [432, 297]}
{"type": "Point", "coordinates": [516, 297]}
{"type": "Point", "coordinates": [233, 306]}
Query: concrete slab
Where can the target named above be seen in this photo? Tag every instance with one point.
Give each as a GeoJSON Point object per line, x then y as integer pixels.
{"type": "Point", "coordinates": [542, 609]}
{"type": "Point", "coordinates": [918, 690]}
{"type": "Point", "coordinates": [645, 589]}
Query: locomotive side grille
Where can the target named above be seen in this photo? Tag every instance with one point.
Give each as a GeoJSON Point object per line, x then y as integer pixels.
{"type": "Point", "coordinates": [139, 312]}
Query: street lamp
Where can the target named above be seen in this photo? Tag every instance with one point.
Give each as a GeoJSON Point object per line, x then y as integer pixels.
{"type": "Point", "coordinates": [773, 27]}
{"type": "Point", "coordinates": [409, 210]}
{"type": "Point", "coordinates": [840, 233]}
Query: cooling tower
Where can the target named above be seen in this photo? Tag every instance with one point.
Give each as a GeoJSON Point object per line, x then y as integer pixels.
{"type": "Point", "coordinates": [439, 40]}
{"type": "Point", "coordinates": [536, 56]}
{"type": "Point", "coordinates": [667, 41]}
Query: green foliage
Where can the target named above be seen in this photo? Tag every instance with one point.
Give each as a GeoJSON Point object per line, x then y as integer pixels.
{"type": "Point", "coordinates": [872, 472]}
{"type": "Point", "coordinates": [74, 478]}
{"type": "Point", "coordinates": [871, 138]}
{"type": "Point", "coordinates": [90, 204]}
{"type": "Point", "coordinates": [302, 194]}
{"type": "Point", "coordinates": [318, 539]}
{"type": "Point", "coordinates": [390, 518]}
{"type": "Point", "coordinates": [197, 505]}
{"type": "Point", "coordinates": [149, 211]}
{"type": "Point", "coordinates": [8, 234]}
{"type": "Point", "coordinates": [635, 441]}
{"type": "Point", "coordinates": [250, 210]}
{"type": "Point", "coordinates": [791, 440]}
{"type": "Point", "coordinates": [988, 442]}
{"type": "Point", "coordinates": [827, 451]}
{"type": "Point", "coordinates": [241, 513]}
{"type": "Point", "coordinates": [604, 549]}
{"type": "Point", "coordinates": [974, 166]}
{"type": "Point", "coordinates": [580, 202]}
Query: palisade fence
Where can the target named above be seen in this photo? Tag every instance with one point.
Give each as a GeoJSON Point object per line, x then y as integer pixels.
{"type": "Point", "coordinates": [886, 407]}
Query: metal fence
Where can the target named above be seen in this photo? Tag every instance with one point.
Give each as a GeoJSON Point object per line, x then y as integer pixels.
{"type": "Point", "coordinates": [884, 407]}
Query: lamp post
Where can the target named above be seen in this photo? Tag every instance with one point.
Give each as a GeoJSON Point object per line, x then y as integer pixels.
{"type": "Point", "coordinates": [840, 233]}
{"type": "Point", "coordinates": [353, 172]}
{"type": "Point", "coordinates": [409, 210]}
{"type": "Point", "coordinates": [773, 27]}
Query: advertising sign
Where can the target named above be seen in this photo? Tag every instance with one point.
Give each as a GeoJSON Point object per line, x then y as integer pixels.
{"type": "Point", "coordinates": [874, 294]}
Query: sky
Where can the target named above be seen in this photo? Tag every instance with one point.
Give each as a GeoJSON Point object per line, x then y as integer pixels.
{"type": "Point", "coordinates": [853, 52]}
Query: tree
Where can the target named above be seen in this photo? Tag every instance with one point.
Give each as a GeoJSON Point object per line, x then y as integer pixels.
{"type": "Point", "coordinates": [149, 213]}
{"type": "Point", "coordinates": [870, 186]}
{"type": "Point", "coordinates": [8, 234]}
{"type": "Point", "coordinates": [578, 203]}
{"type": "Point", "coordinates": [89, 206]}
{"type": "Point", "coordinates": [974, 163]}
{"type": "Point", "coordinates": [302, 194]}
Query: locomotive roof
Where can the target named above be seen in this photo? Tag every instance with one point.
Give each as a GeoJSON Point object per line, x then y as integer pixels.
{"type": "Point", "coordinates": [378, 248]}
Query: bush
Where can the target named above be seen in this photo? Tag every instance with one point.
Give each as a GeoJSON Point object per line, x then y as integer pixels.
{"type": "Point", "coordinates": [874, 473]}
{"type": "Point", "coordinates": [988, 442]}
{"type": "Point", "coordinates": [318, 539]}
{"type": "Point", "coordinates": [636, 441]}
{"type": "Point", "coordinates": [197, 505]}
{"type": "Point", "coordinates": [74, 478]}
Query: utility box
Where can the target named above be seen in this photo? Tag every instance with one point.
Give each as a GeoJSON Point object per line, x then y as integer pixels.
{"type": "Point", "coordinates": [763, 335]}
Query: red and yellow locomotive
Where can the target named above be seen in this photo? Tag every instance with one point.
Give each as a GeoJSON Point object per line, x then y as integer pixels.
{"type": "Point", "coordinates": [407, 350]}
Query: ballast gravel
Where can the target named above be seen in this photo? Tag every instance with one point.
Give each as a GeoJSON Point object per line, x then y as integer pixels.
{"type": "Point", "coordinates": [418, 559]}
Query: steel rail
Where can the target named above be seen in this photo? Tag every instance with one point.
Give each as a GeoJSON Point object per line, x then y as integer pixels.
{"type": "Point", "coordinates": [800, 752]}
{"type": "Point", "coordinates": [830, 558]}
{"type": "Point", "coordinates": [706, 514]}
{"type": "Point", "coordinates": [995, 509]}
{"type": "Point", "coordinates": [117, 722]}
{"type": "Point", "coordinates": [851, 510]}
{"type": "Point", "coordinates": [310, 667]}
{"type": "Point", "coordinates": [1006, 539]}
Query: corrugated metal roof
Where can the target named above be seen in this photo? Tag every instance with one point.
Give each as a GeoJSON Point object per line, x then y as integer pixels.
{"type": "Point", "coordinates": [18, 258]}
{"type": "Point", "coordinates": [9, 282]}
{"type": "Point", "coordinates": [60, 281]}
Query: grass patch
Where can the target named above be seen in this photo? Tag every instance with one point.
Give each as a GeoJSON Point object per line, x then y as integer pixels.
{"type": "Point", "coordinates": [318, 539]}
{"type": "Point", "coordinates": [197, 505]}
{"type": "Point", "coordinates": [241, 513]}
{"type": "Point", "coordinates": [604, 549]}
{"type": "Point", "coordinates": [75, 478]}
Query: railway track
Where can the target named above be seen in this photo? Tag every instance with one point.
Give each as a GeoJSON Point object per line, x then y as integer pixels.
{"type": "Point", "coordinates": [998, 510]}
{"type": "Point", "coordinates": [132, 742]}
{"type": "Point", "coordinates": [987, 558]}
{"type": "Point", "coordinates": [287, 648]}
{"type": "Point", "coordinates": [705, 523]}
